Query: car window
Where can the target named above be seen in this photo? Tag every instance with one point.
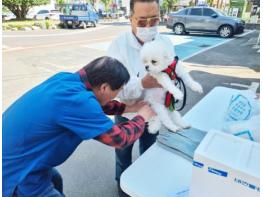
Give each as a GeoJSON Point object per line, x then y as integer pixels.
{"type": "Point", "coordinates": [208, 12]}
{"type": "Point", "coordinates": [43, 12]}
{"type": "Point", "coordinates": [91, 8]}
{"type": "Point", "coordinates": [85, 8]}
{"type": "Point", "coordinates": [75, 7]}
{"type": "Point", "coordinates": [79, 7]}
{"type": "Point", "coordinates": [182, 12]}
{"type": "Point", "coordinates": [55, 11]}
{"type": "Point", "coordinates": [196, 11]}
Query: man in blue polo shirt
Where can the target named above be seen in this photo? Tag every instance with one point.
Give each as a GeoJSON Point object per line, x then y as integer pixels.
{"type": "Point", "coordinates": [44, 127]}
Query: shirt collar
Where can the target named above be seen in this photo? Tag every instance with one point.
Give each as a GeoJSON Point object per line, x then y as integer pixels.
{"type": "Point", "coordinates": [84, 78]}
{"type": "Point", "coordinates": [134, 42]}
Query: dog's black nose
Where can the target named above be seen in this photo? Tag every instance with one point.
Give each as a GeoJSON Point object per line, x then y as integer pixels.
{"type": "Point", "coordinates": [147, 68]}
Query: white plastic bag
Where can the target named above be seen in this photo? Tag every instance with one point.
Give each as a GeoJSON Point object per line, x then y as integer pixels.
{"type": "Point", "coordinates": [242, 116]}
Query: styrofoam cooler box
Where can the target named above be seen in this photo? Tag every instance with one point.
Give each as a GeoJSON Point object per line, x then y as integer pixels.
{"type": "Point", "coordinates": [225, 165]}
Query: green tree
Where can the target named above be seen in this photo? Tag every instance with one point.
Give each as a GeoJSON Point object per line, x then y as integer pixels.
{"type": "Point", "coordinates": [210, 2]}
{"type": "Point", "coordinates": [60, 2]}
{"type": "Point", "coordinates": [106, 4]}
{"type": "Point", "coordinates": [169, 4]}
{"type": "Point", "coordinates": [5, 9]}
{"type": "Point", "coordinates": [21, 7]}
{"type": "Point", "coordinates": [91, 1]}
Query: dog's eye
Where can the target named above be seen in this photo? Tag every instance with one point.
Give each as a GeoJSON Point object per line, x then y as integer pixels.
{"type": "Point", "coordinates": [153, 61]}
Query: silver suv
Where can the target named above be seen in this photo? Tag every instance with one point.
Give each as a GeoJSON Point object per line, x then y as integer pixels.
{"type": "Point", "coordinates": [204, 19]}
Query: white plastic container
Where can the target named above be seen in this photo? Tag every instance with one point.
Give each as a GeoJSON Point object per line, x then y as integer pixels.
{"type": "Point", "coordinates": [225, 165]}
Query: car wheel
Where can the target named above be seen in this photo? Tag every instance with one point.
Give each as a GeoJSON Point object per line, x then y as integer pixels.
{"type": "Point", "coordinates": [226, 31]}
{"type": "Point", "coordinates": [65, 25]}
{"type": "Point", "coordinates": [179, 29]}
{"type": "Point", "coordinates": [83, 24]}
{"type": "Point", "coordinates": [93, 23]}
{"type": "Point", "coordinates": [46, 18]}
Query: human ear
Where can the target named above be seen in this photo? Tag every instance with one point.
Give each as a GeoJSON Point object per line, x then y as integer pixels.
{"type": "Point", "coordinates": [103, 87]}
{"type": "Point", "coordinates": [130, 17]}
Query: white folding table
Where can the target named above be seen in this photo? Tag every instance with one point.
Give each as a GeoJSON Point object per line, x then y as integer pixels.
{"type": "Point", "coordinates": [160, 172]}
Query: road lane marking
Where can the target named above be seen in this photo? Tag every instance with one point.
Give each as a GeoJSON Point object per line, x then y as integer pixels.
{"type": "Point", "coordinates": [5, 47]}
{"type": "Point", "coordinates": [253, 86]}
{"type": "Point", "coordinates": [12, 49]}
{"type": "Point", "coordinates": [52, 35]}
{"type": "Point", "coordinates": [216, 45]}
{"type": "Point", "coordinates": [230, 71]}
{"type": "Point", "coordinates": [57, 44]}
{"type": "Point", "coordinates": [102, 46]}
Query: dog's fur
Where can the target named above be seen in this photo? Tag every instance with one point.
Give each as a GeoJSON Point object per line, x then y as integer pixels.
{"type": "Point", "coordinates": [156, 56]}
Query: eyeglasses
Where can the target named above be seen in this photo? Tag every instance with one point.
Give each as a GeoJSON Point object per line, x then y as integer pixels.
{"type": "Point", "coordinates": [152, 21]}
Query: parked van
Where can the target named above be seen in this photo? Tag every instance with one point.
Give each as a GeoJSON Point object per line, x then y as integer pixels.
{"type": "Point", "coordinates": [80, 15]}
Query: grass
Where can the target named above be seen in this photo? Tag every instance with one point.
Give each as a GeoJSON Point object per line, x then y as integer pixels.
{"type": "Point", "coordinates": [43, 24]}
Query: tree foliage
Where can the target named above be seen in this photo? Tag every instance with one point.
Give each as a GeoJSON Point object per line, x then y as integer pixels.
{"type": "Point", "coordinates": [60, 2]}
{"type": "Point", "coordinates": [106, 4]}
{"type": "Point", "coordinates": [210, 2]}
{"type": "Point", "coordinates": [21, 7]}
{"type": "Point", "coordinates": [169, 4]}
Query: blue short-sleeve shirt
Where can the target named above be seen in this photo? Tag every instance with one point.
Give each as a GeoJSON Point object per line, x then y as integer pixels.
{"type": "Point", "coordinates": [43, 128]}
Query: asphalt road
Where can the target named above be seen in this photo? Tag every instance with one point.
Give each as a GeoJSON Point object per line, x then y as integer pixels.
{"type": "Point", "coordinates": [31, 57]}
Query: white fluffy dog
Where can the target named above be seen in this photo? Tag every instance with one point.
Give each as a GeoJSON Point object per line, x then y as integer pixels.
{"type": "Point", "coordinates": [157, 56]}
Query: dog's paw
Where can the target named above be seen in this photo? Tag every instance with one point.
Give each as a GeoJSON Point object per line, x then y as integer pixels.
{"type": "Point", "coordinates": [174, 128]}
{"type": "Point", "coordinates": [183, 124]}
{"type": "Point", "coordinates": [154, 125]}
{"type": "Point", "coordinates": [196, 87]}
{"type": "Point", "coordinates": [152, 129]}
{"type": "Point", "coordinates": [186, 125]}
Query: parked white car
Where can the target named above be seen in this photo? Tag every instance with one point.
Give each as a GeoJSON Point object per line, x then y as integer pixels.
{"type": "Point", "coordinates": [8, 16]}
{"type": "Point", "coordinates": [45, 14]}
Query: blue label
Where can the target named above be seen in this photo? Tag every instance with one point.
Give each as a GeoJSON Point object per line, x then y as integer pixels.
{"type": "Point", "coordinates": [198, 164]}
{"type": "Point", "coordinates": [246, 184]}
{"type": "Point", "coordinates": [239, 108]}
{"type": "Point", "coordinates": [246, 133]}
{"type": "Point", "coordinates": [217, 172]}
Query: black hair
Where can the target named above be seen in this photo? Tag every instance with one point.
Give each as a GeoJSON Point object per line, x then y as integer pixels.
{"type": "Point", "coordinates": [107, 70]}
{"type": "Point", "coordinates": [132, 2]}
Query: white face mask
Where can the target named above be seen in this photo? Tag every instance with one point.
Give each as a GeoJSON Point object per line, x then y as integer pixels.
{"type": "Point", "coordinates": [146, 34]}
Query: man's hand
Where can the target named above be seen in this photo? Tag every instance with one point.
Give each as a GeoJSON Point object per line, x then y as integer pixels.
{"type": "Point", "coordinates": [134, 107]}
{"type": "Point", "coordinates": [150, 82]}
{"type": "Point", "coordinates": [146, 112]}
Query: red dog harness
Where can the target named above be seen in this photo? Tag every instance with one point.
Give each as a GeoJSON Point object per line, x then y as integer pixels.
{"type": "Point", "coordinates": [170, 71]}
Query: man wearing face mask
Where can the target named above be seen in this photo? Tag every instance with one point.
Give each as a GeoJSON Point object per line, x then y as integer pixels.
{"type": "Point", "coordinates": [126, 48]}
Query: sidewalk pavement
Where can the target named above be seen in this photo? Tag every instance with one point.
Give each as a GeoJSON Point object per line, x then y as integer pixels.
{"type": "Point", "coordinates": [235, 64]}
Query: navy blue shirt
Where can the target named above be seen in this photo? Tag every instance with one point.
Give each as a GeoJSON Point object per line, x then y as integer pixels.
{"type": "Point", "coordinates": [43, 128]}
